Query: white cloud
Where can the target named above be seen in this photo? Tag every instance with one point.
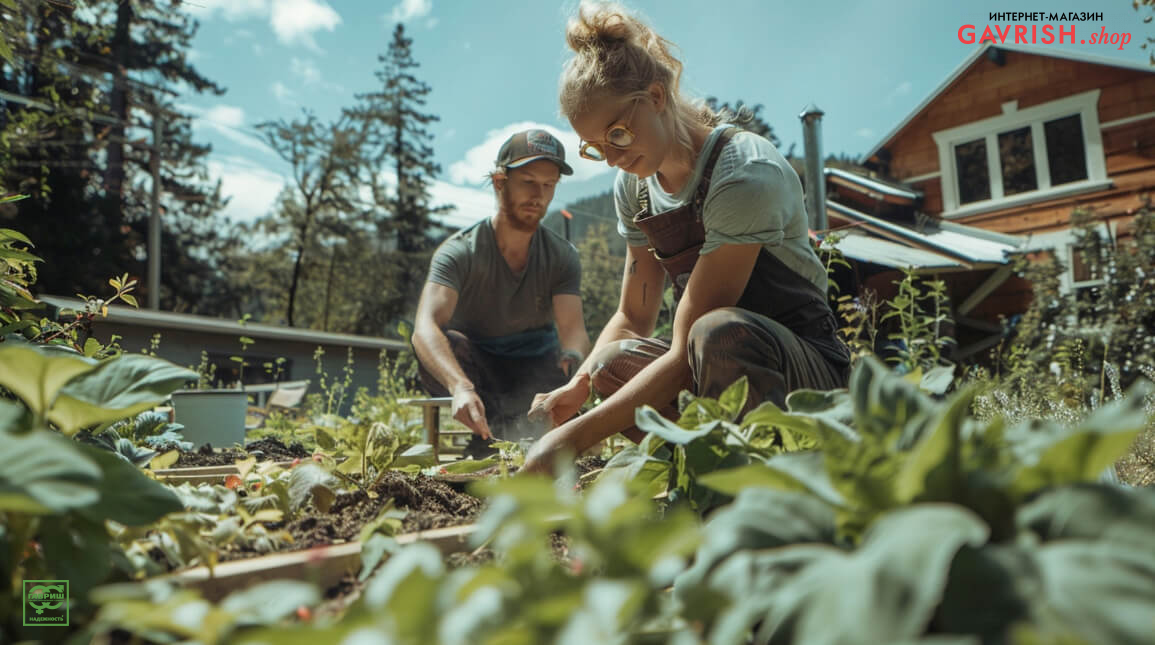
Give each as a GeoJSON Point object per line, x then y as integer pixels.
{"type": "Point", "coordinates": [295, 21]}
{"type": "Point", "coordinates": [253, 189]}
{"type": "Point", "coordinates": [227, 115]}
{"type": "Point", "coordinates": [230, 10]}
{"type": "Point", "coordinates": [478, 161]}
{"type": "Point", "coordinates": [865, 133]}
{"type": "Point", "coordinates": [902, 89]}
{"type": "Point", "coordinates": [409, 9]}
{"type": "Point", "coordinates": [281, 92]}
{"type": "Point", "coordinates": [226, 121]}
{"type": "Point", "coordinates": [305, 70]}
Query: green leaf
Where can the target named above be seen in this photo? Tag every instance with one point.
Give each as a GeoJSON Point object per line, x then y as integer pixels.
{"type": "Point", "coordinates": [649, 420]}
{"type": "Point", "coordinates": [325, 441]}
{"type": "Point", "coordinates": [5, 50]}
{"type": "Point", "coordinates": [1088, 450]}
{"type": "Point", "coordinates": [40, 472]}
{"type": "Point", "coordinates": [373, 552]}
{"type": "Point", "coordinates": [130, 299]}
{"type": "Point", "coordinates": [91, 347]}
{"type": "Point", "coordinates": [36, 375]}
{"type": "Point", "coordinates": [77, 549]}
{"type": "Point", "coordinates": [269, 602]}
{"type": "Point", "coordinates": [757, 519]}
{"type": "Point", "coordinates": [1124, 517]}
{"type": "Point", "coordinates": [797, 472]}
{"type": "Point", "coordinates": [1095, 589]}
{"type": "Point", "coordinates": [733, 398]}
{"type": "Point", "coordinates": [903, 562]}
{"type": "Point", "coordinates": [127, 495]}
{"type": "Point", "coordinates": [938, 379]}
{"type": "Point", "coordinates": [17, 255]}
{"type": "Point", "coordinates": [419, 455]}
{"type": "Point", "coordinates": [933, 471]}
{"type": "Point", "coordinates": [310, 481]}
{"type": "Point", "coordinates": [120, 387]}
{"type": "Point", "coordinates": [467, 466]}
{"type": "Point", "coordinates": [7, 232]}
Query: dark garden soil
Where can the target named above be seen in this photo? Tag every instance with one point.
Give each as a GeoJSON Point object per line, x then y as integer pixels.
{"type": "Point", "coordinates": [430, 504]}
{"type": "Point", "coordinates": [267, 449]}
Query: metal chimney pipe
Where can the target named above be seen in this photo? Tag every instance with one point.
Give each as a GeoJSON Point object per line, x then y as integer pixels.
{"type": "Point", "coordinates": [815, 178]}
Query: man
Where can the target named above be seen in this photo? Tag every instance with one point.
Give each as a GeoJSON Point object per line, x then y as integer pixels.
{"type": "Point", "coordinates": [500, 316]}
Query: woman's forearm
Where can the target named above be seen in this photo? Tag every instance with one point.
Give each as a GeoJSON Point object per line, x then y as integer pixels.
{"type": "Point", "coordinates": [656, 385]}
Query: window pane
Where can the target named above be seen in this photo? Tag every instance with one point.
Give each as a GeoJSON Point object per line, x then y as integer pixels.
{"type": "Point", "coordinates": [974, 181]}
{"type": "Point", "coordinates": [1017, 156]}
{"type": "Point", "coordinates": [1066, 155]}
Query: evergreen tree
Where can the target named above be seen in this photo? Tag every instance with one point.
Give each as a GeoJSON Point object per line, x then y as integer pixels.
{"type": "Point", "coordinates": [398, 138]}
{"type": "Point", "coordinates": [85, 160]}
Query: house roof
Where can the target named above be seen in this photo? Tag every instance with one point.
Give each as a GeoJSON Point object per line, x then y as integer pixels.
{"type": "Point", "coordinates": [981, 51]}
{"type": "Point", "coordinates": [935, 244]}
{"type": "Point", "coordinates": [190, 322]}
{"type": "Point", "coordinates": [889, 188]}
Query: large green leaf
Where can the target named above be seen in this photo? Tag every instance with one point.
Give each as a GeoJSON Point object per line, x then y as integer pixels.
{"type": "Point", "coordinates": [1082, 454]}
{"type": "Point", "coordinates": [886, 406]}
{"type": "Point", "coordinates": [733, 398]}
{"type": "Point", "coordinates": [933, 471]}
{"type": "Point", "coordinates": [78, 550]}
{"type": "Point", "coordinates": [758, 518]}
{"type": "Point", "coordinates": [40, 472]}
{"type": "Point", "coordinates": [884, 592]}
{"type": "Point", "coordinates": [127, 496]}
{"type": "Point", "coordinates": [800, 472]}
{"type": "Point", "coordinates": [418, 455]}
{"type": "Point", "coordinates": [649, 420]}
{"type": "Point", "coordinates": [1098, 590]}
{"type": "Point", "coordinates": [269, 602]}
{"type": "Point", "coordinates": [36, 374]}
{"type": "Point", "coordinates": [1121, 516]}
{"type": "Point", "coordinates": [120, 387]}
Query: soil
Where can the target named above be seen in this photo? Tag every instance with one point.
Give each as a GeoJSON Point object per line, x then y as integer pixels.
{"type": "Point", "coordinates": [431, 504]}
{"type": "Point", "coordinates": [588, 464]}
{"type": "Point", "coordinates": [267, 449]}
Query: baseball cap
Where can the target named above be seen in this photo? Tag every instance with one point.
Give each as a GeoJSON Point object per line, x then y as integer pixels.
{"type": "Point", "coordinates": [530, 145]}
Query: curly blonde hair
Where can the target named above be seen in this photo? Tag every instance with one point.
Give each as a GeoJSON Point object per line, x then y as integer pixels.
{"type": "Point", "coordinates": [616, 54]}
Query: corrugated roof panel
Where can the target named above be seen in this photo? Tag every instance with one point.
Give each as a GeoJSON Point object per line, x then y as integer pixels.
{"type": "Point", "coordinates": [887, 253]}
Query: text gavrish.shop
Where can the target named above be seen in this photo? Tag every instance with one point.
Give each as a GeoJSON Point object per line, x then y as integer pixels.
{"type": "Point", "coordinates": [1039, 34]}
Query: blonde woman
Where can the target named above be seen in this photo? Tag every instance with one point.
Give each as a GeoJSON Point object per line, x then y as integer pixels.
{"type": "Point", "coordinates": [717, 211]}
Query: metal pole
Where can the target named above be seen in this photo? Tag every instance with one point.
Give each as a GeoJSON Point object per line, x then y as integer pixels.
{"type": "Point", "coordinates": [815, 178]}
{"type": "Point", "coordinates": [154, 216]}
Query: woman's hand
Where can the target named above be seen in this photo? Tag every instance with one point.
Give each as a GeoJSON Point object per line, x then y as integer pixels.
{"type": "Point", "coordinates": [543, 455]}
{"type": "Point", "coordinates": [470, 411]}
{"type": "Point", "coordinates": [563, 403]}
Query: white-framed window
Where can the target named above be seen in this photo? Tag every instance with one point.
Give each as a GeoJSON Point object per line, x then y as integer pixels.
{"type": "Point", "coordinates": [1062, 244]}
{"type": "Point", "coordinates": [1022, 156]}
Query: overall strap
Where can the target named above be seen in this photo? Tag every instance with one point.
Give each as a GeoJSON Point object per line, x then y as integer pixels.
{"type": "Point", "coordinates": [703, 185]}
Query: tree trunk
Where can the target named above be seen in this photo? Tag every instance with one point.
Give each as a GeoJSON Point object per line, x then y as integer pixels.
{"type": "Point", "coordinates": [297, 265]}
{"type": "Point", "coordinates": [121, 41]}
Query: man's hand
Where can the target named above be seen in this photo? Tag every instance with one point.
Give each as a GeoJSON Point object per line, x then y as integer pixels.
{"type": "Point", "coordinates": [543, 455]}
{"type": "Point", "coordinates": [568, 361]}
{"type": "Point", "coordinates": [470, 411]}
{"type": "Point", "coordinates": [563, 403]}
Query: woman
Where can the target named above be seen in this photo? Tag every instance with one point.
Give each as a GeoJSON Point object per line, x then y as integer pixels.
{"type": "Point", "coordinates": [719, 212]}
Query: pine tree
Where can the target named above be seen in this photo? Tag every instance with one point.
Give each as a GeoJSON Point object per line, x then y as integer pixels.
{"type": "Point", "coordinates": [86, 160]}
{"type": "Point", "coordinates": [398, 138]}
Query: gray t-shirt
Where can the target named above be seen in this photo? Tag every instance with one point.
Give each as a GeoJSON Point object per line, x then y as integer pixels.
{"type": "Point", "coordinates": [754, 196]}
{"type": "Point", "coordinates": [494, 304]}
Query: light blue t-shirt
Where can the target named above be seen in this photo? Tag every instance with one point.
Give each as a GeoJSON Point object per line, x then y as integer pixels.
{"type": "Point", "coordinates": [754, 196]}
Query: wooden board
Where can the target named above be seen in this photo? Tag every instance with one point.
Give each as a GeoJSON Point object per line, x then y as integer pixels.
{"type": "Point", "coordinates": [323, 565]}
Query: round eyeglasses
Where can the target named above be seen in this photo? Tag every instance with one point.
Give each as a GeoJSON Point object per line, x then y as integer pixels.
{"type": "Point", "coordinates": [618, 135]}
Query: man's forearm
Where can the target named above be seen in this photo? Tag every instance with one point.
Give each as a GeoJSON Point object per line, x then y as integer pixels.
{"type": "Point", "coordinates": [436, 355]}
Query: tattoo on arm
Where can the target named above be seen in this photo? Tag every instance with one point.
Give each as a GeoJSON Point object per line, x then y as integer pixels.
{"type": "Point", "coordinates": [644, 285]}
{"type": "Point", "coordinates": [633, 267]}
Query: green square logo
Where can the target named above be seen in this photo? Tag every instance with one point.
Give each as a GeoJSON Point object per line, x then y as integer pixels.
{"type": "Point", "coordinates": [45, 603]}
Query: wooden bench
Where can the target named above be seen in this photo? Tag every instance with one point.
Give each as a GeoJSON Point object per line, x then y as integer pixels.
{"type": "Point", "coordinates": [431, 409]}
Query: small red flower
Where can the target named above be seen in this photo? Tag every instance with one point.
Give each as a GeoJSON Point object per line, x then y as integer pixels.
{"type": "Point", "coordinates": [304, 613]}
{"type": "Point", "coordinates": [233, 482]}
{"type": "Point", "coordinates": [443, 471]}
{"type": "Point", "coordinates": [296, 462]}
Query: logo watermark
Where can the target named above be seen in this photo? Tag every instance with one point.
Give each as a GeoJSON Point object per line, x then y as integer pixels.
{"type": "Point", "coordinates": [1047, 34]}
{"type": "Point", "coordinates": [45, 603]}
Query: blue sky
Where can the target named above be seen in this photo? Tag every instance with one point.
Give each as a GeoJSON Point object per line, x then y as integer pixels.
{"type": "Point", "coordinates": [493, 67]}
